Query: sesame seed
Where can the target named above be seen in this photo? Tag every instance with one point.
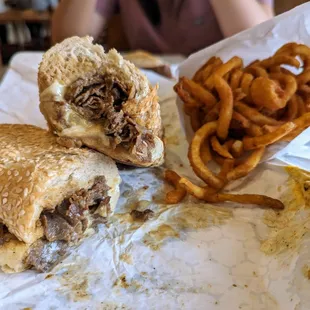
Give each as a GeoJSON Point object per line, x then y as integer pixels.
{"type": "Point", "coordinates": [4, 201]}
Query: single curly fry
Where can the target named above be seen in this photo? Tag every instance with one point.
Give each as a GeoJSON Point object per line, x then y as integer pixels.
{"type": "Point", "coordinates": [200, 169]}
{"type": "Point", "coordinates": [205, 152]}
{"type": "Point", "coordinates": [218, 148]}
{"type": "Point", "coordinates": [246, 82]}
{"type": "Point", "coordinates": [198, 92]}
{"type": "Point", "coordinates": [257, 71]}
{"type": "Point", "coordinates": [254, 116]}
{"type": "Point", "coordinates": [280, 60]}
{"type": "Point", "coordinates": [254, 130]}
{"type": "Point", "coordinates": [237, 149]}
{"type": "Point", "coordinates": [303, 78]}
{"type": "Point", "coordinates": [185, 96]}
{"type": "Point", "coordinates": [227, 166]}
{"type": "Point", "coordinates": [234, 63]}
{"type": "Point", "coordinates": [292, 109]}
{"type": "Point", "coordinates": [226, 106]}
{"type": "Point", "coordinates": [209, 195]}
{"type": "Point", "coordinates": [194, 115]}
{"type": "Point", "coordinates": [235, 79]}
{"type": "Point", "coordinates": [206, 68]}
{"type": "Point", "coordinates": [251, 143]}
{"type": "Point", "coordinates": [268, 93]}
{"type": "Point", "coordinates": [178, 194]}
{"type": "Point", "coordinates": [247, 166]}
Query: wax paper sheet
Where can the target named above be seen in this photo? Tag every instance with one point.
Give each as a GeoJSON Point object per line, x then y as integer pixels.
{"type": "Point", "coordinates": [191, 255]}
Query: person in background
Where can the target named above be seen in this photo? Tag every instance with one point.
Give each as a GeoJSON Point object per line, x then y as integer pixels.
{"type": "Point", "coordinates": [161, 26]}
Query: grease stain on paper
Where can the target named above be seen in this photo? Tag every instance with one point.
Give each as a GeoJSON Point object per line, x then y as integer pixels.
{"type": "Point", "coordinates": [289, 226]}
{"type": "Point", "coordinates": [172, 221]}
{"type": "Point", "coordinates": [74, 282]}
{"type": "Point", "coordinates": [127, 258]}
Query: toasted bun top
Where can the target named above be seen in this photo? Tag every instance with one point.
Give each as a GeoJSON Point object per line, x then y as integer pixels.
{"type": "Point", "coordinates": [75, 57]}
{"type": "Point", "coordinates": [36, 173]}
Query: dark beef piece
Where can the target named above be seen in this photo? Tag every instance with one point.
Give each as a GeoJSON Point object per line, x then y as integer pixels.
{"type": "Point", "coordinates": [43, 254]}
{"type": "Point", "coordinates": [56, 227]}
{"type": "Point", "coordinates": [68, 221]}
{"type": "Point", "coordinates": [100, 98]}
{"type": "Point", "coordinates": [4, 234]}
{"type": "Point", "coordinates": [142, 215]}
{"type": "Point", "coordinates": [144, 143]}
{"type": "Point", "coordinates": [1, 234]}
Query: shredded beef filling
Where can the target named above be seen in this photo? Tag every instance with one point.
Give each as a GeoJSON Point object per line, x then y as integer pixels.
{"type": "Point", "coordinates": [67, 223]}
{"type": "Point", "coordinates": [100, 98]}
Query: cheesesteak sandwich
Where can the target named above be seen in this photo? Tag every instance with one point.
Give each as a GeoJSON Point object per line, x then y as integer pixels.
{"type": "Point", "coordinates": [100, 100]}
{"type": "Point", "coordinates": [50, 196]}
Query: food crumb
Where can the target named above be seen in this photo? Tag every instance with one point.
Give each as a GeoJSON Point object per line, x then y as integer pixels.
{"type": "Point", "coordinates": [49, 276]}
{"type": "Point", "coordinates": [216, 302]}
{"type": "Point", "coordinates": [245, 286]}
{"type": "Point", "coordinates": [234, 285]}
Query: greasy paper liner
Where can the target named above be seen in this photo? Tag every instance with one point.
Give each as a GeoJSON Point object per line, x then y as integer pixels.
{"type": "Point", "coordinates": [188, 256]}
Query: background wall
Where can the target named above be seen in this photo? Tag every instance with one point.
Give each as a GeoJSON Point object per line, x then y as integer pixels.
{"type": "Point", "coordinates": [285, 5]}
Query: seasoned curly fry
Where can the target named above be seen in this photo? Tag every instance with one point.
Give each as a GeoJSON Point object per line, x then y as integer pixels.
{"type": "Point", "coordinates": [186, 97]}
{"type": "Point", "coordinates": [209, 195]}
{"type": "Point", "coordinates": [201, 170]}
{"type": "Point", "coordinates": [292, 108]}
{"type": "Point", "coordinates": [251, 143]}
{"type": "Point", "coordinates": [226, 106]}
{"type": "Point", "coordinates": [228, 165]}
{"type": "Point", "coordinates": [218, 148]}
{"type": "Point", "coordinates": [195, 119]}
{"type": "Point", "coordinates": [280, 60]}
{"type": "Point", "coordinates": [257, 71]}
{"type": "Point", "coordinates": [267, 93]}
{"type": "Point", "coordinates": [254, 116]}
{"type": "Point", "coordinates": [237, 149]}
{"type": "Point", "coordinates": [178, 194]}
{"type": "Point", "coordinates": [242, 121]}
{"type": "Point", "coordinates": [246, 82]}
{"type": "Point", "coordinates": [233, 63]}
{"type": "Point", "coordinates": [247, 166]}
{"type": "Point", "coordinates": [254, 130]}
{"type": "Point", "coordinates": [259, 200]}
{"type": "Point", "coordinates": [205, 152]}
{"type": "Point", "coordinates": [235, 79]}
{"type": "Point", "coordinates": [198, 92]}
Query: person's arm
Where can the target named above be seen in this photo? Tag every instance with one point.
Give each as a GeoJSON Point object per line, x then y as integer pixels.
{"type": "Point", "coordinates": [236, 15]}
{"type": "Point", "coordinates": [76, 17]}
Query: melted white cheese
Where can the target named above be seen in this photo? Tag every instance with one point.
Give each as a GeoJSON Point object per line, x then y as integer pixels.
{"type": "Point", "coordinates": [54, 92]}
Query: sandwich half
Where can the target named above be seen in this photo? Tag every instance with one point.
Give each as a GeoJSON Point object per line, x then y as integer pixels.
{"type": "Point", "coordinates": [100, 100]}
{"type": "Point", "coordinates": [51, 196]}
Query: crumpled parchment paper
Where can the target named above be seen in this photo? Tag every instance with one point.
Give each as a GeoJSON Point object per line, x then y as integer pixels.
{"type": "Point", "coordinates": [192, 255]}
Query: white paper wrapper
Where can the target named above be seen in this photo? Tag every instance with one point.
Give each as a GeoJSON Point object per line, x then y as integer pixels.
{"type": "Point", "coordinates": [189, 256]}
